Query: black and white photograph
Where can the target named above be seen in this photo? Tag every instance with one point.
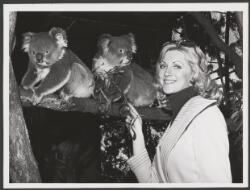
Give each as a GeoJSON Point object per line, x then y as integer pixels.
{"type": "Point", "coordinates": [121, 95]}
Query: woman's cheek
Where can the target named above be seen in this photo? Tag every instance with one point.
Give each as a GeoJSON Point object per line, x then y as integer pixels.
{"type": "Point", "coordinates": [161, 75]}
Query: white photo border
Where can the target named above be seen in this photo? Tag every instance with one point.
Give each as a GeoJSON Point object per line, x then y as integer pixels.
{"type": "Point", "coordinates": [95, 7]}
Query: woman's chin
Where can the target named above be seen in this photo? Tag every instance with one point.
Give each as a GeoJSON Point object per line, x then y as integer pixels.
{"type": "Point", "coordinates": [169, 91]}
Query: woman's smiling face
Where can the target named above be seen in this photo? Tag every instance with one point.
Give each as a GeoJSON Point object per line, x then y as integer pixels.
{"type": "Point", "coordinates": [175, 73]}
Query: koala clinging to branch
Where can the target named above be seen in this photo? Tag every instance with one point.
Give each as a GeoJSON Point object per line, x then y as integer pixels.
{"type": "Point", "coordinates": [118, 75]}
{"type": "Point", "coordinates": [52, 67]}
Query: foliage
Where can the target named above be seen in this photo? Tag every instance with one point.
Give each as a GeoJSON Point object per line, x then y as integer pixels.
{"type": "Point", "coordinates": [235, 127]}
{"type": "Point", "coordinates": [116, 148]}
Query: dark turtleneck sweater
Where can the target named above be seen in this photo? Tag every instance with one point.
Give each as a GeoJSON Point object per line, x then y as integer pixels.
{"type": "Point", "coordinates": [178, 99]}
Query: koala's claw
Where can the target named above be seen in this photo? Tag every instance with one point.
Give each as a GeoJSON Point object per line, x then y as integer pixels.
{"type": "Point", "coordinates": [26, 87]}
{"type": "Point", "coordinates": [105, 108]}
{"type": "Point", "coordinates": [36, 99]}
{"type": "Point", "coordinates": [66, 102]}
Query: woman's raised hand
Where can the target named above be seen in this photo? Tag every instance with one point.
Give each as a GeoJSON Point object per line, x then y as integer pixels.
{"type": "Point", "coordinates": [133, 121]}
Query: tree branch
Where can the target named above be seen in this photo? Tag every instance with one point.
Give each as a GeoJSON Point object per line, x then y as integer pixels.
{"type": "Point", "coordinates": [209, 29]}
{"type": "Point", "coordinates": [90, 105]}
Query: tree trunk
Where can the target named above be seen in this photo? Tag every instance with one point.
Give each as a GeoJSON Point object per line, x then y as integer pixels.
{"type": "Point", "coordinates": [22, 164]}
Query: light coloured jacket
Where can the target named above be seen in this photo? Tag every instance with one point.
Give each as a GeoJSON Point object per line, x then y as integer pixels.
{"type": "Point", "coordinates": [193, 149]}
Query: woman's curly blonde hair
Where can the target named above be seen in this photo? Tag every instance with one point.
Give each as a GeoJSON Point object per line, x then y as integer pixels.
{"type": "Point", "coordinates": [204, 85]}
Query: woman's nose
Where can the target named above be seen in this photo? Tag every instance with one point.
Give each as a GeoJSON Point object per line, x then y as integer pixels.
{"type": "Point", "coordinates": [168, 71]}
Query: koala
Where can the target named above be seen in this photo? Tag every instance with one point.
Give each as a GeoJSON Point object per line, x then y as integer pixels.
{"type": "Point", "coordinates": [117, 73]}
{"type": "Point", "coordinates": [52, 67]}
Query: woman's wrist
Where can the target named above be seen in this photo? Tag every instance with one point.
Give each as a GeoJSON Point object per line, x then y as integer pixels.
{"type": "Point", "coordinates": [138, 143]}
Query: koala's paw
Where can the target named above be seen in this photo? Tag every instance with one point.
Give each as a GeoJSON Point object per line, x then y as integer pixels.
{"type": "Point", "coordinates": [36, 99]}
{"type": "Point", "coordinates": [65, 99]}
{"type": "Point", "coordinates": [105, 108]}
{"type": "Point", "coordinates": [26, 94]}
{"type": "Point", "coordinates": [64, 96]}
{"type": "Point", "coordinates": [26, 87]}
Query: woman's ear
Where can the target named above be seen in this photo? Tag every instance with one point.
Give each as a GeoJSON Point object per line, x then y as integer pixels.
{"type": "Point", "coordinates": [194, 74]}
{"type": "Point", "coordinates": [192, 78]}
{"type": "Point", "coordinates": [192, 81]}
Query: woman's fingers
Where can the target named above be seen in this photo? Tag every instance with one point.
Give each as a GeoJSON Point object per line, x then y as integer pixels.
{"type": "Point", "coordinates": [130, 124]}
{"type": "Point", "coordinates": [133, 121]}
{"type": "Point", "coordinates": [128, 119]}
{"type": "Point", "coordinates": [134, 113]}
{"type": "Point", "coordinates": [132, 110]}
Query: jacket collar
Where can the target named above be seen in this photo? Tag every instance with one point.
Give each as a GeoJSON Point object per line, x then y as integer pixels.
{"type": "Point", "coordinates": [177, 100]}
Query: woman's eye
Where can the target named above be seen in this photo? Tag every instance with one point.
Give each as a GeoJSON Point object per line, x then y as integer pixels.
{"type": "Point", "coordinates": [177, 66]}
{"type": "Point", "coordinates": [163, 66]}
{"type": "Point", "coordinates": [33, 52]}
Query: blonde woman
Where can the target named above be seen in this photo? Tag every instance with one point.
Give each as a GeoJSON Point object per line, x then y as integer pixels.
{"type": "Point", "coordinates": [194, 148]}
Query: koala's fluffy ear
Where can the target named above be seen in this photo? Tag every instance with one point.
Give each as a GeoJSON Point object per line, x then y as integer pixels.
{"type": "Point", "coordinates": [133, 43]}
{"type": "Point", "coordinates": [26, 41]}
{"type": "Point", "coordinates": [60, 35]}
{"type": "Point", "coordinates": [103, 42]}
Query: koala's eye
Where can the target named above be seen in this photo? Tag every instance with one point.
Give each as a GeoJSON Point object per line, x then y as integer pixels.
{"type": "Point", "coordinates": [121, 50]}
{"type": "Point", "coordinates": [46, 51]}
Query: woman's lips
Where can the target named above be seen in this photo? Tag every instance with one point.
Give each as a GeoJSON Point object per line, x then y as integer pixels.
{"type": "Point", "coordinates": [169, 81]}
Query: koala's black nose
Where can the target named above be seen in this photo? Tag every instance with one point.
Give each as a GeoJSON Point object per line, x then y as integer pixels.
{"type": "Point", "coordinates": [130, 56]}
{"type": "Point", "coordinates": [39, 57]}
